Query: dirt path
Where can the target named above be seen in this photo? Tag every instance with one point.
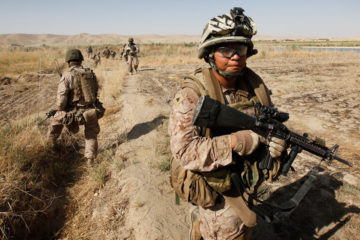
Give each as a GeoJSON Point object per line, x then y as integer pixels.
{"type": "Point", "coordinates": [151, 200]}
{"type": "Point", "coordinates": [137, 201]}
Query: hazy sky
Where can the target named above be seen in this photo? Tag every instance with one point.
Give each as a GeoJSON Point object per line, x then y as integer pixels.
{"type": "Point", "coordinates": [306, 18]}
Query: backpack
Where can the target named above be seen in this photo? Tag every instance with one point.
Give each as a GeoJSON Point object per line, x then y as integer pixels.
{"type": "Point", "coordinates": [85, 85]}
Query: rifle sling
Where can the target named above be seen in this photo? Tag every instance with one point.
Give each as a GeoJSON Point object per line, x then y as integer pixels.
{"type": "Point", "coordinates": [283, 210]}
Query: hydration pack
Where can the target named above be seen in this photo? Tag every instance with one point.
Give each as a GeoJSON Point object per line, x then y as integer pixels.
{"type": "Point", "coordinates": [85, 85]}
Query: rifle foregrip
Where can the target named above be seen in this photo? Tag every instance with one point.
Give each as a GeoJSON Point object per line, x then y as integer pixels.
{"type": "Point", "coordinates": [293, 153]}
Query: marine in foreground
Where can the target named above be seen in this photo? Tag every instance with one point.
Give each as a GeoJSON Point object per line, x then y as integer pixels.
{"type": "Point", "coordinates": [206, 153]}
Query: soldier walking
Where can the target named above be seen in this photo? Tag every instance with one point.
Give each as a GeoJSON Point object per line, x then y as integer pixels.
{"type": "Point", "coordinates": [106, 52]}
{"type": "Point", "coordinates": [97, 59]}
{"type": "Point", "coordinates": [77, 104]}
{"type": "Point", "coordinates": [208, 156]}
{"type": "Point", "coordinates": [130, 52]}
{"type": "Point", "coordinates": [112, 54]}
{"type": "Point", "coordinates": [89, 51]}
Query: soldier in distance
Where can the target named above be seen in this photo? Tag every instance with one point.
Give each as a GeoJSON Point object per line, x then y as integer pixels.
{"type": "Point", "coordinates": [130, 52]}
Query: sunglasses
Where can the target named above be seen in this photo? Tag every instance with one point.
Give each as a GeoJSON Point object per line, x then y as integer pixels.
{"type": "Point", "coordinates": [229, 52]}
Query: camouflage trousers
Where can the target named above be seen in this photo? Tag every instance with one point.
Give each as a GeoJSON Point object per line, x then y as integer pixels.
{"type": "Point", "coordinates": [132, 63]}
{"type": "Point", "coordinates": [91, 131]}
{"type": "Point", "coordinates": [222, 223]}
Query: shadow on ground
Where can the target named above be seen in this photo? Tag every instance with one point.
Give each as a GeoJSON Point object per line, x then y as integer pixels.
{"type": "Point", "coordinates": [143, 128]}
{"type": "Point", "coordinates": [318, 210]}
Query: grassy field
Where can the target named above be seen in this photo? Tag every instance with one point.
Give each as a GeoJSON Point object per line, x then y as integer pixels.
{"type": "Point", "coordinates": [32, 174]}
{"type": "Point", "coordinates": [19, 61]}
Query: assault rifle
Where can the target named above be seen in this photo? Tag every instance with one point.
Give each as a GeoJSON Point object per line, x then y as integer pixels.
{"type": "Point", "coordinates": [48, 115]}
{"type": "Point", "coordinates": [268, 123]}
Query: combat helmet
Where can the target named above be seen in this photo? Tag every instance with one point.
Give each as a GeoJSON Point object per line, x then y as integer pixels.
{"type": "Point", "coordinates": [233, 27]}
{"type": "Point", "coordinates": [130, 39]}
{"type": "Point", "coordinates": [74, 55]}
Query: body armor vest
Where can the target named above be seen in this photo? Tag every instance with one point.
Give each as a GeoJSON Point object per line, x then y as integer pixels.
{"type": "Point", "coordinates": [85, 86]}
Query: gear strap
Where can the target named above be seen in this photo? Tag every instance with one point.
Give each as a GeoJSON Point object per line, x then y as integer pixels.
{"type": "Point", "coordinates": [282, 211]}
{"type": "Point", "coordinates": [238, 204]}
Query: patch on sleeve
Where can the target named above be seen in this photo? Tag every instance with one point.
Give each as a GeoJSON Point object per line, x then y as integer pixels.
{"type": "Point", "coordinates": [178, 99]}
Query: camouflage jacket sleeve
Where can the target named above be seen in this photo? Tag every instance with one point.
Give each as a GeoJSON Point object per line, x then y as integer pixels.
{"type": "Point", "coordinates": [125, 50]}
{"type": "Point", "coordinates": [137, 49]}
{"type": "Point", "coordinates": [188, 147]}
{"type": "Point", "coordinates": [63, 91]}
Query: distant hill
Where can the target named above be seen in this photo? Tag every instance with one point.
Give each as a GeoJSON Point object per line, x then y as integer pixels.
{"type": "Point", "coordinates": [88, 39]}
{"type": "Point", "coordinates": [85, 39]}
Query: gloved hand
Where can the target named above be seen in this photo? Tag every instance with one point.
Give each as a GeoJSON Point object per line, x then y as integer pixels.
{"type": "Point", "coordinates": [276, 147]}
{"type": "Point", "coordinates": [246, 142]}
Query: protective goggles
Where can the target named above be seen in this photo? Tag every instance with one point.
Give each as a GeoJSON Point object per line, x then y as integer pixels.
{"type": "Point", "coordinates": [229, 52]}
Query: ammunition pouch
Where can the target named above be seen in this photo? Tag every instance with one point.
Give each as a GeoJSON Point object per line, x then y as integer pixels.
{"type": "Point", "coordinates": [191, 186]}
{"type": "Point", "coordinates": [218, 180]}
{"type": "Point", "coordinates": [71, 122]}
{"type": "Point", "coordinates": [90, 116]}
{"type": "Point", "coordinates": [69, 119]}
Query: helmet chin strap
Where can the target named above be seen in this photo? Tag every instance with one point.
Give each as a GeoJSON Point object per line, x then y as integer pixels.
{"type": "Point", "coordinates": [224, 73]}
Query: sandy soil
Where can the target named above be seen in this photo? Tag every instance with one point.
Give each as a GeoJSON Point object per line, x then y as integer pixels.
{"type": "Point", "coordinates": [137, 202]}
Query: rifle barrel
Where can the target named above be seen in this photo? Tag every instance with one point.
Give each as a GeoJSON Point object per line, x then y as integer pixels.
{"type": "Point", "coordinates": [343, 161]}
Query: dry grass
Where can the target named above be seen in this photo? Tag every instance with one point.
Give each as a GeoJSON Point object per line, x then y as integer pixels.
{"type": "Point", "coordinates": [111, 76]}
{"type": "Point", "coordinates": [160, 55]}
{"type": "Point", "coordinates": [295, 52]}
{"type": "Point", "coordinates": [19, 61]}
{"type": "Point", "coordinates": [31, 174]}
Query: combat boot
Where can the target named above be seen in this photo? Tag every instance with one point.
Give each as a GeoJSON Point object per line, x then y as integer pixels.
{"type": "Point", "coordinates": [194, 233]}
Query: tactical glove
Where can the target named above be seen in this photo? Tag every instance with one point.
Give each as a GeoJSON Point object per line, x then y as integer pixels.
{"type": "Point", "coordinates": [276, 147]}
{"type": "Point", "coordinates": [246, 142]}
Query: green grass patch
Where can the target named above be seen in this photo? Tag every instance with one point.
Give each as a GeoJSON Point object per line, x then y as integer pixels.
{"type": "Point", "coordinates": [350, 190]}
{"type": "Point", "coordinates": [164, 165]}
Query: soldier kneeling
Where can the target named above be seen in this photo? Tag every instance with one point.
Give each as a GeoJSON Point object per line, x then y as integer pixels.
{"type": "Point", "coordinates": [77, 104]}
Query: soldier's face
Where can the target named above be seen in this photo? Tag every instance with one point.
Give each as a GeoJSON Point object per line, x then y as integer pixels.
{"type": "Point", "coordinates": [230, 57]}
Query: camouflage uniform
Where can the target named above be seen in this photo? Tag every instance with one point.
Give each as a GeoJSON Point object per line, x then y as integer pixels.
{"type": "Point", "coordinates": [201, 154]}
{"type": "Point", "coordinates": [106, 52]}
{"type": "Point", "coordinates": [96, 59]}
{"type": "Point", "coordinates": [89, 51]}
{"type": "Point", "coordinates": [130, 51]}
{"type": "Point", "coordinates": [112, 54]}
{"type": "Point", "coordinates": [65, 105]}
{"type": "Point", "coordinates": [223, 216]}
